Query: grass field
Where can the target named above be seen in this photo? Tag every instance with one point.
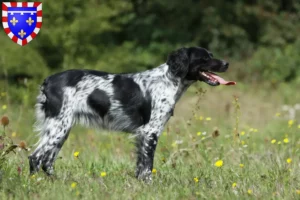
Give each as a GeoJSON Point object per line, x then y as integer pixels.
{"type": "Point", "coordinates": [197, 157]}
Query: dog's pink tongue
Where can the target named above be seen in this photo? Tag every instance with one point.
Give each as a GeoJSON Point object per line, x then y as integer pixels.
{"type": "Point", "coordinates": [222, 81]}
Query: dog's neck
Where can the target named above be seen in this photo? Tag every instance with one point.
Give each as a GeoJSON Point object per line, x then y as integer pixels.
{"type": "Point", "coordinates": [181, 83]}
{"type": "Point", "coordinates": [182, 87]}
{"type": "Point", "coordinates": [163, 74]}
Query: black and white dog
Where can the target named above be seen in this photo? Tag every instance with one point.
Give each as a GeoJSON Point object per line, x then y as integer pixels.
{"type": "Point", "coordinates": [139, 103]}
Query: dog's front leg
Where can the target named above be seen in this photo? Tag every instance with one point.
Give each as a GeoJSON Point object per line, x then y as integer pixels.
{"type": "Point", "coordinates": [146, 144]}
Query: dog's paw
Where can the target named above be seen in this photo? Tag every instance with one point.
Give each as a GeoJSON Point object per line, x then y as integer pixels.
{"type": "Point", "coordinates": [48, 170]}
{"type": "Point", "coordinates": [34, 164]}
{"type": "Point", "coordinates": [145, 175]}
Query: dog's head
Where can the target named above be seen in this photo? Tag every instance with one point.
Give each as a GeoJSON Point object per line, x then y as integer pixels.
{"type": "Point", "coordinates": [197, 63]}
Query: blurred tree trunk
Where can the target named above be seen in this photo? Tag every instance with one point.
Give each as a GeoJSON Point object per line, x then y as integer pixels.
{"type": "Point", "coordinates": [288, 5]}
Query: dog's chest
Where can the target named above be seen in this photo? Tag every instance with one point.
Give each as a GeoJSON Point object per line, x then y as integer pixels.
{"type": "Point", "coordinates": [163, 103]}
{"type": "Point", "coordinates": [164, 94]}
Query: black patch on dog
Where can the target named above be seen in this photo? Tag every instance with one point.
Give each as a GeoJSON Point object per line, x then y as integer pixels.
{"type": "Point", "coordinates": [54, 97]}
{"type": "Point", "coordinates": [52, 88]}
{"type": "Point", "coordinates": [73, 77]}
{"type": "Point", "coordinates": [53, 85]}
{"type": "Point", "coordinates": [178, 62]}
{"type": "Point", "coordinates": [99, 101]}
{"type": "Point", "coordinates": [145, 109]}
{"type": "Point", "coordinates": [172, 112]}
{"type": "Point", "coordinates": [33, 164]}
{"type": "Point", "coordinates": [97, 73]}
{"type": "Point", "coordinates": [135, 105]}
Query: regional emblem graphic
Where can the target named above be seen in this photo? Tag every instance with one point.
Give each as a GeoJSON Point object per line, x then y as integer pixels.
{"type": "Point", "coordinates": [22, 21]}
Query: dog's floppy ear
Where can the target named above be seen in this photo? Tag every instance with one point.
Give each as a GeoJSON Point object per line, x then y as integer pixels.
{"type": "Point", "coordinates": [178, 62]}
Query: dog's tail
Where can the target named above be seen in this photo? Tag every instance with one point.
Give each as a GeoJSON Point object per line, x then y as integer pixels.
{"type": "Point", "coordinates": [40, 111]}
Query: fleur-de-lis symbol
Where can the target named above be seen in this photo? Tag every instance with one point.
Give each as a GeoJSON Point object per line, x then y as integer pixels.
{"type": "Point", "coordinates": [14, 21]}
{"type": "Point", "coordinates": [29, 21]}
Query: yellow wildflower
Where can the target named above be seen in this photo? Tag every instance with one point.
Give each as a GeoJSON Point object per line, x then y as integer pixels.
{"type": "Point", "coordinates": [203, 138]}
{"type": "Point", "coordinates": [14, 134]}
{"type": "Point", "coordinates": [299, 126]}
{"type": "Point", "coordinates": [290, 122]}
{"type": "Point", "coordinates": [73, 185]}
{"type": "Point", "coordinates": [33, 176]}
{"type": "Point", "coordinates": [251, 129]}
{"type": "Point", "coordinates": [196, 180]}
{"type": "Point", "coordinates": [103, 174]}
{"type": "Point", "coordinates": [255, 130]}
{"type": "Point", "coordinates": [243, 142]}
{"type": "Point", "coordinates": [199, 133]}
{"type": "Point", "coordinates": [289, 160]}
{"type": "Point", "coordinates": [233, 185]}
{"type": "Point", "coordinates": [273, 141]}
{"type": "Point", "coordinates": [76, 154]}
{"type": "Point", "coordinates": [4, 107]}
{"type": "Point", "coordinates": [277, 114]}
{"type": "Point", "coordinates": [243, 133]}
{"type": "Point", "coordinates": [241, 165]}
{"type": "Point", "coordinates": [154, 171]}
{"type": "Point", "coordinates": [286, 140]}
{"type": "Point", "coordinates": [279, 142]}
{"type": "Point", "coordinates": [200, 118]}
{"type": "Point", "coordinates": [219, 163]}
{"type": "Point", "coordinates": [208, 118]}
{"type": "Point", "coordinates": [298, 191]}
{"type": "Point", "coordinates": [249, 191]}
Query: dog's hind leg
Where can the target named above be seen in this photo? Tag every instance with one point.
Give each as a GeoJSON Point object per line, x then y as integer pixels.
{"type": "Point", "coordinates": [53, 136]}
{"type": "Point", "coordinates": [54, 132]}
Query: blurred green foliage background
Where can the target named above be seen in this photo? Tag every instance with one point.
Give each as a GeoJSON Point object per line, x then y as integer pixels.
{"type": "Point", "coordinates": [259, 38]}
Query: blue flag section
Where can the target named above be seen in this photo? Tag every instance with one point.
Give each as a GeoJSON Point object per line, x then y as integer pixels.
{"type": "Point", "coordinates": [22, 21]}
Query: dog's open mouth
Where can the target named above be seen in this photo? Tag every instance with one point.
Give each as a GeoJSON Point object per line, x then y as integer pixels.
{"type": "Point", "coordinates": [214, 80]}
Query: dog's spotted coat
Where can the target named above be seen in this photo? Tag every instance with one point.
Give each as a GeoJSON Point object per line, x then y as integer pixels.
{"type": "Point", "coordinates": [139, 103]}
